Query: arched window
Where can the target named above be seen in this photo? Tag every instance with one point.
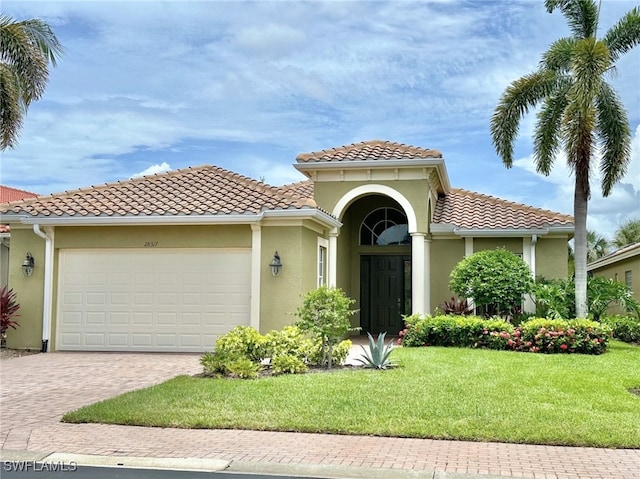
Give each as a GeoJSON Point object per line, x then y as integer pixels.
{"type": "Point", "coordinates": [384, 226]}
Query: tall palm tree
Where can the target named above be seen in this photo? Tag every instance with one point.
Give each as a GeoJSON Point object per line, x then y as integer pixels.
{"type": "Point", "coordinates": [627, 233]}
{"type": "Point", "coordinates": [597, 246]}
{"type": "Point", "coordinates": [580, 112]}
{"type": "Point", "coordinates": [26, 49]}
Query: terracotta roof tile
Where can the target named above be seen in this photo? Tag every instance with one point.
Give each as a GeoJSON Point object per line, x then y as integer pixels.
{"type": "Point", "coordinates": [190, 191]}
{"type": "Point", "coordinates": [7, 194]}
{"type": "Point", "coordinates": [369, 150]}
{"type": "Point", "coordinates": [469, 210]}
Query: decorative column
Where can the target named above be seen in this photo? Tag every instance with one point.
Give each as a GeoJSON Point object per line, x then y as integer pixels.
{"type": "Point", "coordinates": [427, 276]}
{"type": "Point", "coordinates": [417, 273]}
{"type": "Point", "coordinates": [333, 257]}
{"type": "Point", "coordinates": [256, 258]}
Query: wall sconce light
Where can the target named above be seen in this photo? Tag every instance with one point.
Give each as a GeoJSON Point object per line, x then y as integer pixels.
{"type": "Point", "coordinates": [27, 265]}
{"type": "Point", "coordinates": [276, 264]}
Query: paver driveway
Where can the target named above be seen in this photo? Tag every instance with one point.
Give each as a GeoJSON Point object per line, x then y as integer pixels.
{"type": "Point", "coordinates": [37, 390]}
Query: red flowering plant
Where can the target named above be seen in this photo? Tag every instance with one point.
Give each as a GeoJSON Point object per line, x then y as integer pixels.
{"type": "Point", "coordinates": [8, 310]}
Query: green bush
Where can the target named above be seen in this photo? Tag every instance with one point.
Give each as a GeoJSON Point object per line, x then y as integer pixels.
{"type": "Point", "coordinates": [450, 330]}
{"type": "Point", "coordinates": [625, 328]}
{"type": "Point", "coordinates": [535, 335]}
{"type": "Point", "coordinates": [243, 342]}
{"type": "Point", "coordinates": [314, 355]}
{"type": "Point", "coordinates": [288, 364]}
{"type": "Point", "coordinates": [495, 279]}
{"type": "Point", "coordinates": [243, 368]}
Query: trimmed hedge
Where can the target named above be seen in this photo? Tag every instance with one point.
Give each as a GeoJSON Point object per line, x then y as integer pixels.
{"type": "Point", "coordinates": [537, 335]}
{"type": "Point", "coordinates": [625, 328]}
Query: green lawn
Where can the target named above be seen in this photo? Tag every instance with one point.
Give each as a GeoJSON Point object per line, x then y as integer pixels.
{"type": "Point", "coordinates": [445, 393]}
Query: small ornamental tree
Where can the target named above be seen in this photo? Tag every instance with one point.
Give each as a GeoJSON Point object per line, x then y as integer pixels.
{"type": "Point", "coordinates": [496, 279]}
{"type": "Point", "coordinates": [325, 314]}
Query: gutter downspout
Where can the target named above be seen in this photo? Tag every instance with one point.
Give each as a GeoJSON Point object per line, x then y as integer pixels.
{"type": "Point", "coordinates": [47, 235]}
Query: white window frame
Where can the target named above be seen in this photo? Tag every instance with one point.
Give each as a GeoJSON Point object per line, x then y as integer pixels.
{"type": "Point", "coordinates": [322, 261]}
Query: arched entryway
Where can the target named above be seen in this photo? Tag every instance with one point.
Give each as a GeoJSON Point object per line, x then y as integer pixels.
{"type": "Point", "coordinates": [374, 258]}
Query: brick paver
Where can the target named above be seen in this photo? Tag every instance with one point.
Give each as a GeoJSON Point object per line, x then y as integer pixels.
{"type": "Point", "coordinates": [37, 390]}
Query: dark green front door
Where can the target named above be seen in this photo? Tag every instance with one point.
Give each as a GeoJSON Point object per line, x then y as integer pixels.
{"type": "Point", "coordinates": [383, 291]}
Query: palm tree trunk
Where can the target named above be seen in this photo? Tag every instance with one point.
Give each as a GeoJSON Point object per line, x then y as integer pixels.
{"type": "Point", "coordinates": [580, 201]}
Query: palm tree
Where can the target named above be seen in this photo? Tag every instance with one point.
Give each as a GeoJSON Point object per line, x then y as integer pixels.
{"type": "Point", "coordinates": [26, 49]}
{"type": "Point", "coordinates": [597, 246]}
{"type": "Point", "coordinates": [627, 233]}
{"type": "Point", "coordinates": [580, 112]}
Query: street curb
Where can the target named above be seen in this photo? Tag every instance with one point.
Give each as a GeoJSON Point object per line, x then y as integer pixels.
{"type": "Point", "coordinates": [171, 463]}
{"type": "Point", "coordinates": [317, 471]}
{"type": "Point", "coordinates": [8, 455]}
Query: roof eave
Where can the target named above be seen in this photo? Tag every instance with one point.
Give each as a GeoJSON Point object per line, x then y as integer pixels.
{"type": "Point", "coordinates": [249, 218]}
{"type": "Point", "coordinates": [436, 228]}
{"type": "Point", "coordinates": [614, 258]}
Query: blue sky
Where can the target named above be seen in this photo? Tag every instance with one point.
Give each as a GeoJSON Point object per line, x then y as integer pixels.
{"type": "Point", "coordinates": [146, 86]}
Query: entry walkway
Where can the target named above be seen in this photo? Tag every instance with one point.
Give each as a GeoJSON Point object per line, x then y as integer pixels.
{"type": "Point", "coordinates": [37, 390]}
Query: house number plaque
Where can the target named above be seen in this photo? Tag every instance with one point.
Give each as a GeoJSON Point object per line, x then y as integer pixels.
{"type": "Point", "coordinates": [150, 244]}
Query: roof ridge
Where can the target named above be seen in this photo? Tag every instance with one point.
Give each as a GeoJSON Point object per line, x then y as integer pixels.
{"type": "Point", "coordinates": [495, 199]}
{"type": "Point", "coordinates": [424, 152]}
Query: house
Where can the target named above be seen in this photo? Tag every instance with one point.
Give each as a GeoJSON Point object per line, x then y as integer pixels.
{"type": "Point", "coordinates": [622, 265]}
{"type": "Point", "coordinates": [8, 194]}
{"type": "Point", "coordinates": [168, 262]}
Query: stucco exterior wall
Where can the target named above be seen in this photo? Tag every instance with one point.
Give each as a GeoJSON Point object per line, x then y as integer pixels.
{"type": "Point", "coordinates": [445, 255]}
{"type": "Point", "coordinates": [215, 236]}
{"type": "Point", "coordinates": [29, 290]}
{"type": "Point", "coordinates": [280, 296]}
{"type": "Point", "coordinates": [552, 258]}
{"type": "Point", "coordinates": [510, 244]}
{"type": "Point", "coordinates": [327, 195]}
{"type": "Point", "coordinates": [617, 272]}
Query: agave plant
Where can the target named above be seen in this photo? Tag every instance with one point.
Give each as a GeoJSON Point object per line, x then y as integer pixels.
{"type": "Point", "coordinates": [377, 356]}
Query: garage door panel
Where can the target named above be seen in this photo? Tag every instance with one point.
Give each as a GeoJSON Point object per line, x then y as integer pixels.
{"type": "Point", "coordinates": [162, 300]}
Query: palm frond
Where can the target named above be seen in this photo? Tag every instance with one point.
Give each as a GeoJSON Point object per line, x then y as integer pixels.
{"type": "Point", "coordinates": [613, 127]}
{"type": "Point", "coordinates": [581, 15]}
{"type": "Point", "coordinates": [559, 55]}
{"type": "Point", "coordinates": [516, 101]}
{"type": "Point", "coordinates": [11, 111]}
{"type": "Point", "coordinates": [624, 35]}
{"type": "Point", "coordinates": [578, 132]}
{"type": "Point", "coordinates": [548, 129]}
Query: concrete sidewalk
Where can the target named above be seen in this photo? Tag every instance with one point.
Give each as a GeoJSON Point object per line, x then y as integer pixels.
{"type": "Point", "coordinates": [37, 390]}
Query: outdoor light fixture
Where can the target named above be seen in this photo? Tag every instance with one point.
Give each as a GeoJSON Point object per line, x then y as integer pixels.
{"type": "Point", "coordinates": [27, 265]}
{"type": "Point", "coordinates": [276, 264]}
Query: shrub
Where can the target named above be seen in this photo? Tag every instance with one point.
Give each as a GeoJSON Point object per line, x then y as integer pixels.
{"type": "Point", "coordinates": [605, 292]}
{"type": "Point", "coordinates": [559, 336]}
{"type": "Point", "coordinates": [243, 368]}
{"type": "Point", "coordinates": [325, 314]}
{"type": "Point", "coordinates": [8, 309]}
{"type": "Point", "coordinates": [536, 335]}
{"type": "Point", "coordinates": [288, 364]}
{"type": "Point", "coordinates": [314, 355]}
{"type": "Point", "coordinates": [457, 306]}
{"type": "Point", "coordinates": [625, 328]}
{"type": "Point", "coordinates": [495, 279]}
{"type": "Point", "coordinates": [449, 330]}
{"type": "Point", "coordinates": [242, 342]}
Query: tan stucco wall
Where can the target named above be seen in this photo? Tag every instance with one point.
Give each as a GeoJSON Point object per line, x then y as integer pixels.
{"type": "Point", "coordinates": [620, 268]}
{"type": "Point", "coordinates": [552, 258]}
{"type": "Point", "coordinates": [29, 290]}
{"type": "Point", "coordinates": [445, 255]}
{"type": "Point", "coordinates": [223, 236]}
{"type": "Point", "coordinates": [327, 195]}
{"type": "Point", "coordinates": [510, 244]}
{"type": "Point", "coordinates": [280, 296]}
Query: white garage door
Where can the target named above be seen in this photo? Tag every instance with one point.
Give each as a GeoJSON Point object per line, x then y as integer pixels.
{"type": "Point", "coordinates": [150, 300]}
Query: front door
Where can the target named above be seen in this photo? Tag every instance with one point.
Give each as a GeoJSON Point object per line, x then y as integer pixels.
{"type": "Point", "coordinates": [384, 291]}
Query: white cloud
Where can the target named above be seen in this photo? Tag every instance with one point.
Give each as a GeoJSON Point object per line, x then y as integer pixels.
{"type": "Point", "coordinates": [153, 169]}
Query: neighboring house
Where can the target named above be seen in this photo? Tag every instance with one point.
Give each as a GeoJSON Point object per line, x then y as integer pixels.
{"type": "Point", "coordinates": [8, 194]}
{"type": "Point", "coordinates": [622, 265]}
{"type": "Point", "coordinates": [169, 262]}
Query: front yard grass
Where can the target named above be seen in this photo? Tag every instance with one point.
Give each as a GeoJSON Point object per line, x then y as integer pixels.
{"type": "Point", "coordinates": [443, 393]}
